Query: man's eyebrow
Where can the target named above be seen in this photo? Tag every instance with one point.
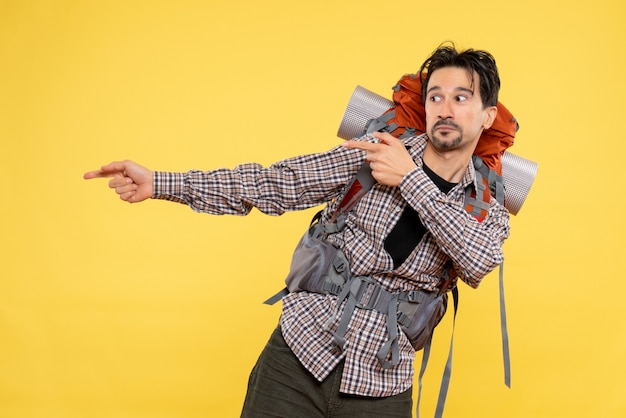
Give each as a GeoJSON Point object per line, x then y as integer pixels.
{"type": "Point", "coordinates": [468, 90]}
{"type": "Point", "coordinates": [463, 89]}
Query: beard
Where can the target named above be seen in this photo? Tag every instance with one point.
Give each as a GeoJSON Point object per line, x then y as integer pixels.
{"type": "Point", "coordinates": [447, 139]}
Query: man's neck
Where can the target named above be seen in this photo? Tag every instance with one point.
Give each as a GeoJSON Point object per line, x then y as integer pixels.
{"type": "Point", "coordinates": [449, 165]}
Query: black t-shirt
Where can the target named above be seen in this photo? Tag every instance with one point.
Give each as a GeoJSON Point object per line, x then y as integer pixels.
{"type": "Point", "coordinates": [409, 230]}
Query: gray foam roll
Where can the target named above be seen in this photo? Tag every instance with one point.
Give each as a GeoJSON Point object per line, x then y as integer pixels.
{"type": "Point", "coordinates": [518, 174]}
{"type": "Point", "coordinates": [363, 106]}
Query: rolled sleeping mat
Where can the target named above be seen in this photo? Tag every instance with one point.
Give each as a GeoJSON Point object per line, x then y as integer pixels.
{"type": "Point", "coordinates": [364, 105]}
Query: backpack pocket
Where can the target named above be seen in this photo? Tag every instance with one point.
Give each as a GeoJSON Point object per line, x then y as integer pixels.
{"type": "Point", "coordinates": [419, 315]}
{"type": "Point", "coordinates": [317, 265]}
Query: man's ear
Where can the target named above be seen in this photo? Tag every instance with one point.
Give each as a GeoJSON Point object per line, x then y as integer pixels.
{"type": "Point", "coordinates": [490, 116]}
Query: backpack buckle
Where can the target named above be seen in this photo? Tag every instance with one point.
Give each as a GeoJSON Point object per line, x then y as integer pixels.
{"type": "Point", "coordinates": [366, 292]}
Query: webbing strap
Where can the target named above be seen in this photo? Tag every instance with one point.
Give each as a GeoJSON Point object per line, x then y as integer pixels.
{"type": "Point", "coordinates": [278, 296]}
{"type": "Point", "coordinates": [392, 342]}
{"type": "Point", "coordinates": [506, 356]}
{"type": "Point", "coordinates": [364, 293]}
{"type": "Point", "coordinates": [445, 381]}
{"type": "Point", "coordinates": [447, 373]}
{"type": "Point", "coordinates": [338, 336]}
{"type": "Point", "coordinates": [425, 356]}
{"type": "Point", "coordinates": [494, 182]}
{"type": "Point", "coordinates": [361, 184]}
{"type": "Point", "coordinates": [381, 123]}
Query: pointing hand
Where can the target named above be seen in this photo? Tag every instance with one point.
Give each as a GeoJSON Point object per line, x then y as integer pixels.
{"type": "Point", "coordinates": [132, 182]}
{"type": "Point", "coordinates": [389, 159]}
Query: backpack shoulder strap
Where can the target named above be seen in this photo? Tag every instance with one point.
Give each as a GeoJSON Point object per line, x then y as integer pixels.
{"type": "Point", "coordinates": [360, 185]}
{"type": "Point", "coordinates": [488, 183]}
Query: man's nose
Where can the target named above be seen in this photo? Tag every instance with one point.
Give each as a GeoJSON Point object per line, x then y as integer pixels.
{"type": "Point", "coordinates": [445, 111]}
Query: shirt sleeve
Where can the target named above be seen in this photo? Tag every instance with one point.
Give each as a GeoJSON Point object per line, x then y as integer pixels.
{"type": "Point", "coordinates": [291, 184]}
{"type": "Point", "coordinates": [474, 247]}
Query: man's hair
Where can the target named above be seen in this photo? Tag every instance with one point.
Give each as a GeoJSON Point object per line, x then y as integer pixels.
{"type": "Point", "coordinates": [474, 61]}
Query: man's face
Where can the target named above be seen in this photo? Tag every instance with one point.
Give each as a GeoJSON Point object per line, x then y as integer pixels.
{"type": "Point", "coordinates": [455, 117]}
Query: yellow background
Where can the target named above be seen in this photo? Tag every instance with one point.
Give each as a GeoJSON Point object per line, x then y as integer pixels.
{"type": "Point", "coordinates": [109, 310]}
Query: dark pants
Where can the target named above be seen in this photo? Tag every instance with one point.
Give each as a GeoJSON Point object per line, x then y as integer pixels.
{"type": "Point", "coordinates": [280, 386]}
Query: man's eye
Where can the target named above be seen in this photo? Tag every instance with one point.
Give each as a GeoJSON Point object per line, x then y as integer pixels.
{"type": "Point", "coordinates": [461, 98]}
{"type": "Point", "coordinates": [435, 98]}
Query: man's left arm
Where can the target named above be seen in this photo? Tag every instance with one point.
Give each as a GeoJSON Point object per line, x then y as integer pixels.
{"type": "Point", "coordinates": [474, 247]}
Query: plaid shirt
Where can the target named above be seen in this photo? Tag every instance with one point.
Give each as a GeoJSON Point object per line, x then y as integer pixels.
{"type": "Point", "coordinates": [475, 248]}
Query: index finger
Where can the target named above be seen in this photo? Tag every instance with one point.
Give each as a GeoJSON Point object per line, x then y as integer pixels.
{"type": "Point", "coordinates": [362, 145]}
{"type": "Point", "coordinates": [96, 174]}
{"type": "Point", "coordinates": [108, 170]}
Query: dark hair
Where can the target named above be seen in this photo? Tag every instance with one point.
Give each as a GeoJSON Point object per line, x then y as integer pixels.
{"type": "Point", "coordinates": [479, 62]}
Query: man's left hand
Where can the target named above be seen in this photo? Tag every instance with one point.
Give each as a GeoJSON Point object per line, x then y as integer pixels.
{"type": "Point", "coordinates": [389, 159]}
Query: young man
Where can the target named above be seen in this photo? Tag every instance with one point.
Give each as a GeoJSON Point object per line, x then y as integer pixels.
{"type": "Point", "coordinates": [401, 236]}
